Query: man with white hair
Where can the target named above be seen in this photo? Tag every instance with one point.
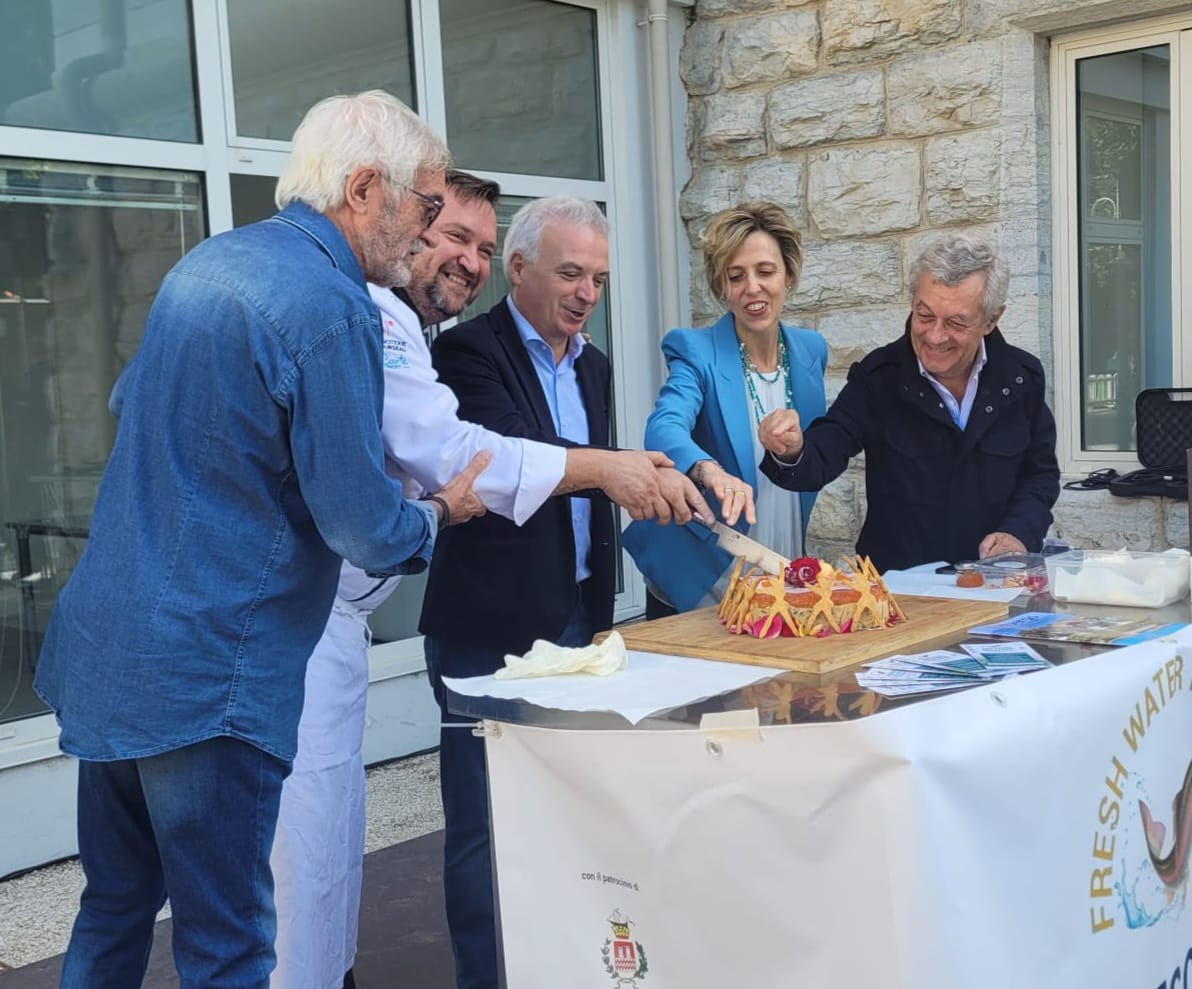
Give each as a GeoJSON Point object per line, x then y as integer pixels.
{"type": "Point", "coordinates": [959, 442]}
{"type": "Point", "coordinates": [522, 369]}
{"type": "Point", "coordinates": [247, 464]}
{"type": "Point", "coordinates": [318, 852]}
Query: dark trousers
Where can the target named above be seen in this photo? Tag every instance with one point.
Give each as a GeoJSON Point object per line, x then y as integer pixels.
{"type": "Point", "coordinates": [467, 853]}
{"type": "Point", "coordinates": [657, 608]}
{"type": "Point", "coordinates": [195, 824]}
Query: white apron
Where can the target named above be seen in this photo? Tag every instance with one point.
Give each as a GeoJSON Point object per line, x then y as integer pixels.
{"type": "Point", "coordinates": [319, 845]}
{"type": "Point", "coordinates": [317, 854]}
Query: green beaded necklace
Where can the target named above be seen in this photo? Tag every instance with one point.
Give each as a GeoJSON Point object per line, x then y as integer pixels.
{"type": "Point", "coordinates": [750, 369]}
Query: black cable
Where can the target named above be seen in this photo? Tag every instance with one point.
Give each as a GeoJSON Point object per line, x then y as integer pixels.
{"type": "Point", "coordinates": [1095, 480]}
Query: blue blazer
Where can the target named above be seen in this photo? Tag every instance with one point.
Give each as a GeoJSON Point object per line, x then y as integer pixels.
{"type": "Point", "coordinates": [702, 413]}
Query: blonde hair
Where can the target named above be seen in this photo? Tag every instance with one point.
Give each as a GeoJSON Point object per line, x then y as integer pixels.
{"type": "Point", "coordinates": [729, 229]}
{"type": "Point", "coordinates": [343, 133]}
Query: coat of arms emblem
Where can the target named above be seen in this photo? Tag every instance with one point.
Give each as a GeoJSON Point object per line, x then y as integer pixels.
{"type": "Point", "coordinates": [624, 958]}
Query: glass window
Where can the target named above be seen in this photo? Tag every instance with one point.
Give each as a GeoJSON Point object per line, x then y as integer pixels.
{"type": "Point", "coordinates": [83, 249]}
{"type": "Point", "coordinates": [289, 54]}
{"type": "Point", "coordinates": [522, 88]}
{"type": "Point", "coordinates": [1124, 191]}
{"type": "Point", "coordinates": [99, 67]}
{"type": "Point", "coordinates": [252, 198]}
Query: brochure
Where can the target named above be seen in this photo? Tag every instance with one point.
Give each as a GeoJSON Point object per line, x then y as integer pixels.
{"type": "Point", "coordinates": [940, 669]}
{"type": "Point", "coordinates": [1100, 630]}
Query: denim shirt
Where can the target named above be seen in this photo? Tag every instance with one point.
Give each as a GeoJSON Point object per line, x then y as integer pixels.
{"type": "Point", "coordinates": [247, 462]}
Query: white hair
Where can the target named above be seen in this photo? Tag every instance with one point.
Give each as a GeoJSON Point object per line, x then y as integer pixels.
{"type": "Point", "coordinates": [950, 260]}
{"type": "Point", "coordinates": [343, 133]}
{"type": "Point", "coordinates": [525, 229]}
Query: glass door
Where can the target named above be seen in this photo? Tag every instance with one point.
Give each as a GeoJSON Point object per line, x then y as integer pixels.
{"type": "Point", "coordinates": [1125, 238]}
{"type": "Point", "coordinates": [84, 250]}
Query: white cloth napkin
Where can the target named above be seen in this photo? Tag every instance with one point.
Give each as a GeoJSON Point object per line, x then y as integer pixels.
{"type": "Point", "coordinates": [651, 683]}
{"type": "Point", "coordinates": [546, 659]}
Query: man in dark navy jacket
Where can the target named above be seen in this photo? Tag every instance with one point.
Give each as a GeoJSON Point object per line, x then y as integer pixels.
{"type": "Point", "coordinates": [959, 442]}
{"type": "Point", "coordinates": [522, 369]}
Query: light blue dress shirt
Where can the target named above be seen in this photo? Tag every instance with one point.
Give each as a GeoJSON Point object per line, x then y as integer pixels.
{"type": "Point", "coordinates": [561, 388]}
{"type": "Point", "coordinates": [959, 411]}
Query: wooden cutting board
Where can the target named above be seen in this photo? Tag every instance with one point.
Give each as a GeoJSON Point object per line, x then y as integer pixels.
{"type": "Point", "coordinates": [700, 634]}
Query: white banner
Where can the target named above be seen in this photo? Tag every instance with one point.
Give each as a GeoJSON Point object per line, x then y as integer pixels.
{"type": "Point", "coordinates": [994, 839]}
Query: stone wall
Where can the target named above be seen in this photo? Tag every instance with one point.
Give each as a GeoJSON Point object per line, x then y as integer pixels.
{"type": "Point", "coordinates": [880, 124]}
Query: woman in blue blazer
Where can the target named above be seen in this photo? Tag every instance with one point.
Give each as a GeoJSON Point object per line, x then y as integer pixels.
{"type": "Point", "coordinates": [722, 381]}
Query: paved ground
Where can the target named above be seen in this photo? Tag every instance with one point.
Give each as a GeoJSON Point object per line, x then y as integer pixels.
{"type": "Point", "coordinates": [37, 909]}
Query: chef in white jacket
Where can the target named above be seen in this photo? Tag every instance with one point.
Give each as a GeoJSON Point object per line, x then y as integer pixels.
{"type": "Point", "coordinates": [319, 846]}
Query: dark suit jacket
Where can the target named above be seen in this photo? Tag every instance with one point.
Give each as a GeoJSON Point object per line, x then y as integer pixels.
{"type": "Point", "coordinates": [492, 582]}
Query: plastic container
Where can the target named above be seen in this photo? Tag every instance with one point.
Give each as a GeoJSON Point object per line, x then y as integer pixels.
{"type": "Point", "coordinates": [1135, 580]}
{"type": "Point", "coordinates": [1025, 570]}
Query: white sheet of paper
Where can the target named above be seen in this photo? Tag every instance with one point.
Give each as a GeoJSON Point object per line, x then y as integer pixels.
{"type": "Point", "coordinates": [923, 581]}
{"type": "Point", "coordinates": [651, 683]}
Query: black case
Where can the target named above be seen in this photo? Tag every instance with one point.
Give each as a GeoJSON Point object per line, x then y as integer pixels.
{"type": "Point", "coordinates": [1163, 425]}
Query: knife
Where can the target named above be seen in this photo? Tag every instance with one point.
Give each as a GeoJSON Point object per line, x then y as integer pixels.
{"type": "Point", "coordinates": [738, 544]}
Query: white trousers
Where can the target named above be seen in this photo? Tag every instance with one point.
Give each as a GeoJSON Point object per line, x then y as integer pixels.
{"type": "Point", "coordinates": [318, 851]}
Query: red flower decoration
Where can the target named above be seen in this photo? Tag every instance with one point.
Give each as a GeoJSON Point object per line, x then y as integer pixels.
{"type": "Point", "coordinates": [803, 571]}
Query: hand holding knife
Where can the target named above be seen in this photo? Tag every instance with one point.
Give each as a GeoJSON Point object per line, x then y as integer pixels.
{"type": "Point", "coordinates": [738, 544]}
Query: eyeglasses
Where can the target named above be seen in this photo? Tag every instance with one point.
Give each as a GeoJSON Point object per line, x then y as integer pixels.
{"type": "Point", "coordinates": [432, 206]}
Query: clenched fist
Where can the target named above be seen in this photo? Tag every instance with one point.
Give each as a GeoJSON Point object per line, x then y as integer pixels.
{"type": "Point", "coordinates": [781, 434]}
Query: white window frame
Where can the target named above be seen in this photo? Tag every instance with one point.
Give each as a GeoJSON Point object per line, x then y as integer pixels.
{"type": "Point", "coordinates": [1067, 51]}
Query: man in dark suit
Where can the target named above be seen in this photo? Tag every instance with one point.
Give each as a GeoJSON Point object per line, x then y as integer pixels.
{"type": "Point", "coordinates": [959, 442]}
{"type": "Point", "coordinates": [522, 369]}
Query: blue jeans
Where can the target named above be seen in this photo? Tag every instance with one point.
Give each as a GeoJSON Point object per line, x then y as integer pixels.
{"type": "Point", "coordinates": [467, 855]}
{"type": "Point", "coordinates": [195, 825]}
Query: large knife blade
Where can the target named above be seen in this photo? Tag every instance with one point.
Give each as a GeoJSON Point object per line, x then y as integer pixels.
{"type": "Point", "coordinates": [738, 544]}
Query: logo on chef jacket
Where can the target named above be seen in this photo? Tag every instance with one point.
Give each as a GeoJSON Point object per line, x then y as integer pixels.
{"type": "Point", "coordinates": [394, 347]}
{"type": "Point", "coordinates": [1138, 873]}
{"type": "Point", "coordinates": [624, 958]}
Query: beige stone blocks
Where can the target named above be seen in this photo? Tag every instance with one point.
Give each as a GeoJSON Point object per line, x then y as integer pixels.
{"type": "Point", "coordinates": [951, 89]}
{"type": "Point", "coordinates": [861, 30]}
{"type": "Point", "coordinates": [850, 273]}
{"type": "Point", "coordinates": [963, 177]}
{"type": "Point", "coordinates": [770, 49]}
{"type": "Point", "coordinates": [734, 125]}
{"type": "Point", "coordinates": [865, 190]}
{"type": "Point", "coordinates": [841, 106]}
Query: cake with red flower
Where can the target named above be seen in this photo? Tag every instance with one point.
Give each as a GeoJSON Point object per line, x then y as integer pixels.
{"type": "Point", "coordinates": [811, 598]}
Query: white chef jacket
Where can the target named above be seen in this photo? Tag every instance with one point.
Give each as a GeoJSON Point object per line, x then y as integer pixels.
{"type": "Point", "coordinates": [427, 444]}
{"type": "Point", "coordinates": [319, 847]}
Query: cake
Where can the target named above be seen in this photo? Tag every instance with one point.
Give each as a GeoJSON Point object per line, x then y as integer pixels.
{"type": "Point", "coordinates": [812, 598]}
